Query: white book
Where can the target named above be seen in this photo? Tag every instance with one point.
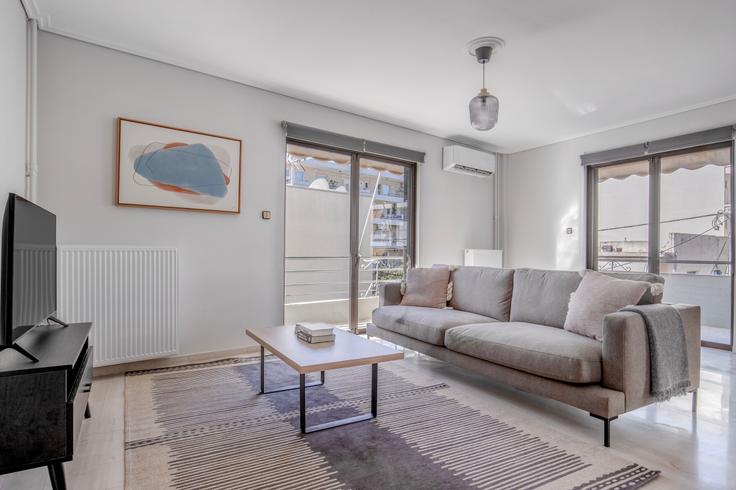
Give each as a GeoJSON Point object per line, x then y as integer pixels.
{"type": "Point", "coordinates": [315, 329]}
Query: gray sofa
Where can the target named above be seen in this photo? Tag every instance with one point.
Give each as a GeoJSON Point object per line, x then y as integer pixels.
{"type": "Point", "coordinates": [507, 325]}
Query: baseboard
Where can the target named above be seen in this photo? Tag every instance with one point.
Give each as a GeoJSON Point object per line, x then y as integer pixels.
{"type": "Point", "coordinates": [172, 361]}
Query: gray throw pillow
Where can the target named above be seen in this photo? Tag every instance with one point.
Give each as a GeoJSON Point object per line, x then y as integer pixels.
{"type": "Point", "coordinates": [426, 287]}
{"type": "Point", "coordinates": [597, 296]}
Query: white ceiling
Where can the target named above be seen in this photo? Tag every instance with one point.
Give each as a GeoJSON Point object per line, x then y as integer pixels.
{"type": "Point", "coordinates": [570, 67]}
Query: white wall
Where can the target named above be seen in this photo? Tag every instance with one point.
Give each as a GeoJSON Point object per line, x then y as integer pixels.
{"type": "Point", "coordinates": [12, 100]}
{"type": "Point", "coordinates": [231, 266]}
{"type": "Point", "coordinates": [542, 190]}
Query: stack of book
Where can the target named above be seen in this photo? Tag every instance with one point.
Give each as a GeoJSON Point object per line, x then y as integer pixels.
{"type": "Point", "coordinates": [314, 333]}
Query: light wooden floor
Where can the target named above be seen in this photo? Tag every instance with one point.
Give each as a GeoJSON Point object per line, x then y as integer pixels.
{"type": "Point", "coordinates": [692, 452]}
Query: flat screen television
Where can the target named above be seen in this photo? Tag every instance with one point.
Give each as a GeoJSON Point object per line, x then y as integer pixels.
{"type": "Point", "coordinates": [28, 274]}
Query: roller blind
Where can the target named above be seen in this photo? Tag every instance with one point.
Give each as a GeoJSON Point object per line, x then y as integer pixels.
{"type": "Point", "coordinates": [710, 136]}
{"type": "Point", "coordinates": [306, 134]}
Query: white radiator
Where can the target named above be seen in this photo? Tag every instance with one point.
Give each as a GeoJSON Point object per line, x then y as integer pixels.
{"type": "Point", "coordinates": [130, 293]}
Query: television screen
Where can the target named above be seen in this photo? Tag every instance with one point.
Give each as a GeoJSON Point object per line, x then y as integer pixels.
{"type": "Point", "coordinates": [28, 267]}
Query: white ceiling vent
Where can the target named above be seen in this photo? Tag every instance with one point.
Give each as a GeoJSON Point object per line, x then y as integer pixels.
{"type": "Point", "coordinates": [462, 160]}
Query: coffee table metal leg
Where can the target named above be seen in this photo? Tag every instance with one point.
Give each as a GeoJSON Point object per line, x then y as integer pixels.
{"type": "Point", "coordinates": [302, 404]}
{"type": "Point", "coordinates": [303, 385]}
{"type": "Point", "coordinates": [284, 388]}
{"type": "Point", "coordinates": [263, 366]}
{"type": "Point", "coordinates": [340, 422]}
{"type": "Point", "coordinates": [374, 390]}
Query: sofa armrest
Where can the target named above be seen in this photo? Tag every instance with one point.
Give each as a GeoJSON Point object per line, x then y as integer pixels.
{"type": "Point", "coordinates": [389, 293]}
{"type": "Point", "coordinates": [626, 353]}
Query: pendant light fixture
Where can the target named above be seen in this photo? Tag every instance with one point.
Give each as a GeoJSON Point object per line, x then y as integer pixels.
{"type": "Point", "coordinates": [484, 106]}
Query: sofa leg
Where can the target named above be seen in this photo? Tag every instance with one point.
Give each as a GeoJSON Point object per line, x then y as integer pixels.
{"type": "Point", "coordinates": [606, 428]}
{"type": "Point", "coordinates": [695, 400]}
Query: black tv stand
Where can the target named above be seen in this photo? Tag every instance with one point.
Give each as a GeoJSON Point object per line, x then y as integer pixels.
{"type": "Point", "coordinates": [20, 349]}
{"type": "Point", "coordinates": [43, 404]}
{"type": "Point", "coordinates": [52, 318]}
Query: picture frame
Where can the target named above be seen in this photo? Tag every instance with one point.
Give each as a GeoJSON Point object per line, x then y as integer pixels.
{"type": "Point", "coordinates": [166, 167]}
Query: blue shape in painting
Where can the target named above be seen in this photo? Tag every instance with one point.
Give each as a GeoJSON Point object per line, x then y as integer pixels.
{"type": "Point", "coordinates": [183, 168]}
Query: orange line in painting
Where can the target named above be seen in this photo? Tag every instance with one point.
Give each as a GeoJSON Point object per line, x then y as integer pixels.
{"type": "Point", "coordinates": [172, 188]}
{"type": "Point", "coordinates": [173, 145]}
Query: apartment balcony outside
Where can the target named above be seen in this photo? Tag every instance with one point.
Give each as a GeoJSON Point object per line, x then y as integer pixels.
{"type": "Point", "coordinates": [318, 261]}
{"type": "Point", "coordinates": [317, 289]}
{"type": "Point", "coordinates": [702, 283]}
{"type": "Point", "coordinates": [673, 211]}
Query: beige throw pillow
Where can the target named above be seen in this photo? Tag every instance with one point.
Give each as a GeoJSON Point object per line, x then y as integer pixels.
{"type": "Point", "coordinates": [426, 287]}
{"type": "Point", "coordinates": [597, 296]}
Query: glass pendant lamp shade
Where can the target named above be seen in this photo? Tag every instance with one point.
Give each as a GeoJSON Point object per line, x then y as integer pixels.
{"type": "Point", "coordinates": [484, 106]}
{"type": "Point", "coordinates": [483, 111]}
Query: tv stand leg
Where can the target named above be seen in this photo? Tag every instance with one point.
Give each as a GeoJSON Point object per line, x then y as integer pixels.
{"type": "Point", "coordinates": [87, 413]}
{"type": "Point", "coordinates": [56, 475]}
{"type": "Point", "coordinates": [21, 350]}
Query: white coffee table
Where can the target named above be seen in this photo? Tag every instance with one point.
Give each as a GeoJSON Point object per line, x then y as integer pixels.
{"type": "Point", "coordinates": [348, 350]}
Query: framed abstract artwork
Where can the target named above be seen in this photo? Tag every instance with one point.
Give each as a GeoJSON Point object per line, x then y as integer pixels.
{"type": "Point", "coordinates": [165, 167]}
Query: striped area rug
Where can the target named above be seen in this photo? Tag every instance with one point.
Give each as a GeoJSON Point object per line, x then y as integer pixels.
{"type": "Point", "coordinates": [206, 427]}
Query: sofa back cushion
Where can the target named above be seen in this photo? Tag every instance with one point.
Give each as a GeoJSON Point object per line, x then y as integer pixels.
{"type": "Point", "coordinates": [541, 296]}
{"type": "Point", "coordinates": [483, 290]}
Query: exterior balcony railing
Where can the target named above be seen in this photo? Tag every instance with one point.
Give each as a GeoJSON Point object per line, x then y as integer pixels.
{"type": "Point", "coordinates": [706, 283]}
{"type": "Point", "coordinates": [318, 288]}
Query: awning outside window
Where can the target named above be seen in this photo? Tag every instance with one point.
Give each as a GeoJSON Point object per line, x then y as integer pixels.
{"type": "Point", "coordinates": [642, 150]}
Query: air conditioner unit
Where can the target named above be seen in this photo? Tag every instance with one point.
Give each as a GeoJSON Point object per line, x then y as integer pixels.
{"type": "Point", "coordinates": [462, 160]}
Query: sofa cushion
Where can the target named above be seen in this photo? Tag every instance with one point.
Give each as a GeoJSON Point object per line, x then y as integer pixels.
{"type": "Point", "coordinates": [536, 349]}
{"type": "Point", "coordinates": [426, 287]}
{"type": "Point", "coordinates": [649, 297]}
{"type": "Point", "coordinates": [542, 296]}
{"type": "Point", "coordinates": [597, 296]}
{"type": "Point", "coordinates": [483, 290]}
{"type": "Point", "coordinates": [425, 324]}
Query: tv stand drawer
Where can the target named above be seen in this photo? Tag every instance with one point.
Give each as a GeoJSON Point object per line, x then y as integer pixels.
{"type": "Point", "coordinates": [32, 420]}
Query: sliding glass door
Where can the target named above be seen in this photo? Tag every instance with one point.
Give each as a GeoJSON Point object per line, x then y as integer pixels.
{"type": "Point", "coordinates": [349, 227]}
{"type": "Point", "coordinates": [695, 236]}
{"type": "Point", "coordinates": [622, 238]}
{"type": "Point", "coordinates": [317, 260]}
{"type": "Point", "coordinates": [670, 214]}
{"type": "Point", "coordinates": [385, 228]}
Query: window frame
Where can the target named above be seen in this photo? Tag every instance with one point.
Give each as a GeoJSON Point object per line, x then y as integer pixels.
{"type": "Point", "coordinates": [654, 201]}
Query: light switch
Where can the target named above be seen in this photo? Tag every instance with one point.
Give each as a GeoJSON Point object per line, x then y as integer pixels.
{"type": "Point", "coordinates": [265, 214]}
